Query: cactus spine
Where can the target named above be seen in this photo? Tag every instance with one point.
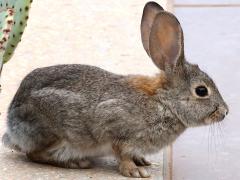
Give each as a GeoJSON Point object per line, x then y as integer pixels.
{"type": "Point", "coordinates": [13, 20]}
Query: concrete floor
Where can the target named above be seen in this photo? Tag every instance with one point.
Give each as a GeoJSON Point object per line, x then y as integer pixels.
{"type": "Point", "coordinates": [15, 166]}
{"type": "Point", "coordinates": [212, 38]}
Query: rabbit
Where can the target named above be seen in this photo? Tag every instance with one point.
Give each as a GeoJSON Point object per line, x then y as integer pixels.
{"type": "Point", "coordinates": [67, 115]}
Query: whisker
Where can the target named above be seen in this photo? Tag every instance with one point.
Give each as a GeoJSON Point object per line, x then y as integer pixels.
{"type": "Point", "coordinates": [209, 130]}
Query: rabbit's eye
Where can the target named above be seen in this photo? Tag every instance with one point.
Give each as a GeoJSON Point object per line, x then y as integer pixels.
{"type": "Point", "coordinates": [201, 91]}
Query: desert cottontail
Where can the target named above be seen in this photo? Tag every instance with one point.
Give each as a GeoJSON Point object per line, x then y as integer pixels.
{"type": "Point", "coordinates": [67, 114]}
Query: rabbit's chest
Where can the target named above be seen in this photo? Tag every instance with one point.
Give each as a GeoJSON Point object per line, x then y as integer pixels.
{"type": "Point", "coordinates": [166, 127]}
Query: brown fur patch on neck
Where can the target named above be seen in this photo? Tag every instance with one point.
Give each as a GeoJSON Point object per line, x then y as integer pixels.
{"type": "Point", "coordinates": [147, 84]}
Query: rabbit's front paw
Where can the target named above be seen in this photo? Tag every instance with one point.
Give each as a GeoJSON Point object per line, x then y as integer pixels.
{"type": "Point", "coordinates": [129, 169]}
{"type": "Point", "coordinates": [141, 161]}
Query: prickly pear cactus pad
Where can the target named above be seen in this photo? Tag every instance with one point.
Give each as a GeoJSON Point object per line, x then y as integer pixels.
{"type": "Point", "coordinates": [13, 20]}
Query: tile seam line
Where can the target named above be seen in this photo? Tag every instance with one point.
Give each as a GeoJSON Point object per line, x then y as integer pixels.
{"type": "Point", "coordinates": [206, 5]}
{"type": "Point", "coordinates": [168, 163]}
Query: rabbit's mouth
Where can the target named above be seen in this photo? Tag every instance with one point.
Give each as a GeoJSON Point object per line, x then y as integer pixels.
{"type": "Point", "coordinates": [216, 116]}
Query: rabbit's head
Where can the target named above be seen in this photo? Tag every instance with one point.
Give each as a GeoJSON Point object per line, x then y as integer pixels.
{"type": "Point", "coordinates": [190, 93]}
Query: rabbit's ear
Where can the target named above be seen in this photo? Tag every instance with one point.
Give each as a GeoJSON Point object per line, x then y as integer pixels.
{"type": "Point", "coordinates": [166, 41]}
{"type": "Point", "coordinates": [150, 11]}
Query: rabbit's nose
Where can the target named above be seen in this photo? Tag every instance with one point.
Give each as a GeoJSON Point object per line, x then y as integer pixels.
{"type": "Point", "coordinates": [224, 110]}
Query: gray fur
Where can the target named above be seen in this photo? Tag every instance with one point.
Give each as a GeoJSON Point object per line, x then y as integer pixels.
{"type": "Point", "coordinates": [84, 110]}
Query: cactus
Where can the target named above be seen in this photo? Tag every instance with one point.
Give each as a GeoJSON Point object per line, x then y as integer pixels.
{"type": "Point", "coordinates": [13, 20]}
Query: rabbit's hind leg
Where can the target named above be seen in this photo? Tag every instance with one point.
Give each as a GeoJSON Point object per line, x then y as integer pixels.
{"type": "Point", "coordinates": [58, 155]}
{"type": "Point", "coordinates": [28, 129]}
{"type": "Point", "coordinates": [71, 163]}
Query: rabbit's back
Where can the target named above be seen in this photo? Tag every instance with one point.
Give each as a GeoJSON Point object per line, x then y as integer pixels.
{"type": "Point", "coordinates": [73, 77]}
